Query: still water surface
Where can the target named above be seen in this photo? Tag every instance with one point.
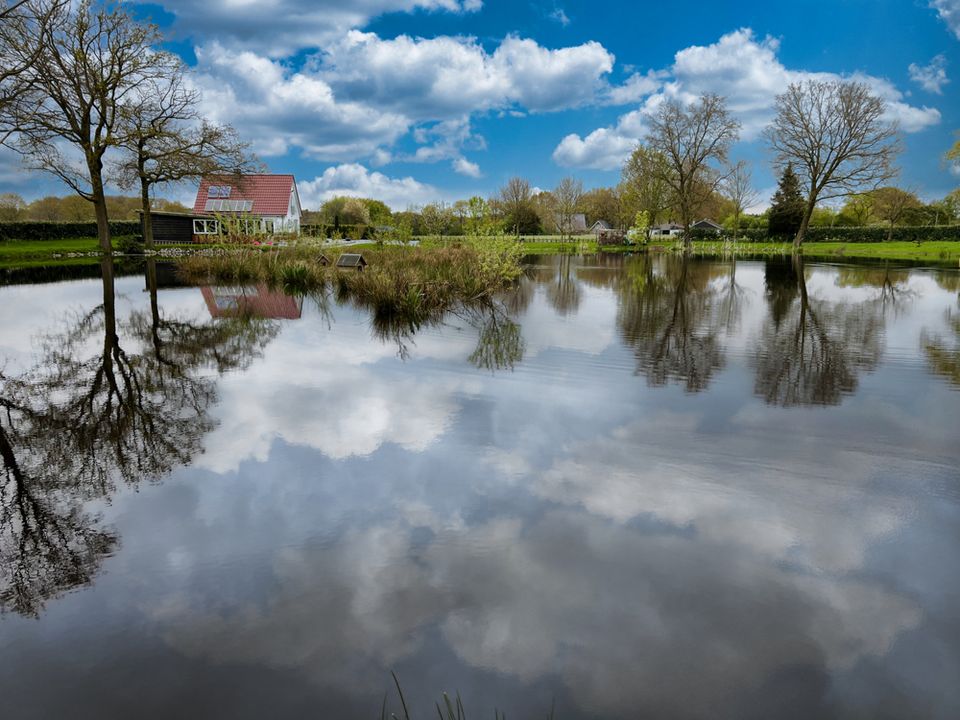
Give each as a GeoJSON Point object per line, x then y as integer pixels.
{"type": "Point", "coordinates": [633, 488]}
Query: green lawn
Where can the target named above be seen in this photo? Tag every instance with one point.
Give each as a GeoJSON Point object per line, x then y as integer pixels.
{"type": "Point", "coordinates": [15, 252]}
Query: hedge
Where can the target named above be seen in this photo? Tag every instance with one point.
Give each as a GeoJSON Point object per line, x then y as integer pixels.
{"type": "Point", "coordinates": [844, 234]}
{"type": "Point", "coordinates": [63, 230]}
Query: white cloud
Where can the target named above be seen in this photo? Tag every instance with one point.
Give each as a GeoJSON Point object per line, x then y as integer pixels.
{"type": "Point", "coordinates": [358, 97]}
{"type": "Point", "coordinates": [280, 109]}
{"type": "Point", "coordinates": [931, 77]}
{"type": "Point", "coordinates": [559, 15]}
{"type": "Point", "coordinates": [464, 167]}
{"type": "Point", "coordinates": [604, 148]}
{"type": "Point", "coordinates": [354, 179]}
{"type": "Point", "coordinates": [282, 27]}
{"type": "Point", "coordinates": [446, 76]}
{"type": "Point", "coordinates": [949, 11]}
{"type": "Point", "coordinates": [744, 69]}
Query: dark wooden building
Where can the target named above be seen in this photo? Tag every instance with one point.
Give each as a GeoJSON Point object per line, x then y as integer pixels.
{"type": "Point", "coordinates": [174, 227]}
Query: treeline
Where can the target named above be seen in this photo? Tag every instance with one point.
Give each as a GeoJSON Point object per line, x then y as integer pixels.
{"type": "Point", "coordinates": [74, 209]}
{"type": "Point", "coordinates": [516, 209]}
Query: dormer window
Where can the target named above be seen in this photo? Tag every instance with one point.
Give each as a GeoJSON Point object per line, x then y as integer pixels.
{"type": "Point", "coordinates": [218, 191]}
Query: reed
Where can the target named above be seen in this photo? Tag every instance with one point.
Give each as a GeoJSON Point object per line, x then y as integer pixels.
{"type": "Point", "coordinates": [413, 283]}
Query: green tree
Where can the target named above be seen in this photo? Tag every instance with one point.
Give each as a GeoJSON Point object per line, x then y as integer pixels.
{"type": "Point", "coordinates": [786, 210]}
{"type": "Point", "coordinates": [891, 204]}
{"type": "Point", "coordinates": [644, 184]}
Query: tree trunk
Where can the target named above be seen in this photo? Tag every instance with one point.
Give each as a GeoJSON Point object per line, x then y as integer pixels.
{"type": "Point", "coordinates": [805, 223]}
{"type": "Point", "coordinates": [890, 232]}
{"type": "Point", "coordinates": [100, 206]}
{"type": "Point", "coordinates": [147, 219]}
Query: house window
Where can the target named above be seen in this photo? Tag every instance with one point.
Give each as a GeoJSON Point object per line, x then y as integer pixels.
{"type": "Point", "coordinates": [268, 227]}
{"type": "Point", "coordinates": [206, 227]}
{"type": "Point", "coordinates": [218, 191]}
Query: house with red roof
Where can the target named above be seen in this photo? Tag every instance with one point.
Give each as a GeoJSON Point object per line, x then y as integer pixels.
{"type": "Point", "coordinates": [259, 204]}
{"type": "Point", "coordinates": [256, 204]}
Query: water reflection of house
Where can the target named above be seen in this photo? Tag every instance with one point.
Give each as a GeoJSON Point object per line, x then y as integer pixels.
{"type": "Point", "coordinates": [258, 301]}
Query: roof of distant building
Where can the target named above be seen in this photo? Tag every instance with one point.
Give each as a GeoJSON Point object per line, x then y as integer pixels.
{"type": "Point", "coordinates": [259, 194]}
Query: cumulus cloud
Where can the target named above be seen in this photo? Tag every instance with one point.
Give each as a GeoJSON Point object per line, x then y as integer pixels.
{"type": "Point", "coordinates": [282, 27]}
{"type": "Point", "coordinates": [447, 76]}
{"type": "Point", "coordinates": [931, 77]}
{"type": "Point", "coordinates": [358, 97]}
{"type": "Point", "coordinates": [280, 109]}
{"type": "Point", "coordinates": [355, 179]}
{"type": "Point", "coordinates": [744, 69]}
{"type": "Point", "coordinates": [949, 12]}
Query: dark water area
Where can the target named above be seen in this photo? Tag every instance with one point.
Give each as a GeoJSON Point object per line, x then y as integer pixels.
{"type": "Point", "coordinates": [632, 487]}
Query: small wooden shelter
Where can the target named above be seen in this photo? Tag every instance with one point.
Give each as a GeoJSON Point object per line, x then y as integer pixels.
{"type": "Point", "coordinates": [351, 261]}
{"type": "Point", "coordinates": [323, 260]}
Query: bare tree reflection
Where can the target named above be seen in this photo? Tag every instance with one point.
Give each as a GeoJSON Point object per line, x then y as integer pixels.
{"type": "Point", "coordinates": [93, 414]}
{"type": "Point", "coordinates": [811, 351]}
{"type": "Point", "coordinates": [563, 291]}
{"type": "Point", "coordinates": [891, 285]}
{"type": "Point", "coordinates": [668, 315]}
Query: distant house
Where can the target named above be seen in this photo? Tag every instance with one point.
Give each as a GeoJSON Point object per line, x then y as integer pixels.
{"type": "Point", "coordinates": [575, 224]}
{"type": "Point", "coordinates": [599, 226]}
{"type": "Point", "coordinates": [260, 203]}
{"type": "Point", "coordinates": [666, 230]}
{"type": "Point", "coordinates": [707, 224]}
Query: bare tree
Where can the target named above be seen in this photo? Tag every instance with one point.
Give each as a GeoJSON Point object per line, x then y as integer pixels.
{"type": "Point", "coordinates": [737, 187]}
{"type": "Point", "coordinates": [690, 138]}
{"type": "Point", "coordinates": [644, 179]}
{"type": "Point", "coordinates": [166, 140]}
{"type": "Point", "coordinates": [836, 134]}
{"type": "Point", "coordinates": [80, 70]}
{"type": "Point", "coordinates": [567, 197]}
{"type": "Point", "coordinates": [17, 21]}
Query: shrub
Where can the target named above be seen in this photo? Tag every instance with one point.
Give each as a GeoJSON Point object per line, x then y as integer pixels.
{"type": "Point", "coordinates": [842, 234]}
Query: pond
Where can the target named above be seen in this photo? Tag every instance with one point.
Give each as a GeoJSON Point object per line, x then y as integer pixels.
{"type": "Point", "coordinates": [631, 487]}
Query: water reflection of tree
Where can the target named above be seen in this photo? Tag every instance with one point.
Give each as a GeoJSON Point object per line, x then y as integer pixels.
{"type": "Point", "coordinates": [668, 315]}
{"type": "Point", "coordinates": [93, 413]}
{"type": "Point", "coordinates": [563, 291]}
{"type": "Point", "coordinates": [811, 351]}
{"type": "Point", "coordinates": [944, 359]}
{"type": "Point", "coordinates": [500, 342]}
{"type": "Point", "coordinates": [732, 300]}
{"type": "Point", "coordinates": [891, 284]}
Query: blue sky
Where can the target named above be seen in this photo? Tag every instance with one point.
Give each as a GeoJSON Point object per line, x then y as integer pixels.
{"type": "Point", "coordinates": [421, 100]}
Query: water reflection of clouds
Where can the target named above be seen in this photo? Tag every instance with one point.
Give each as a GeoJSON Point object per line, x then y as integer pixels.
{"type": "Point", "coordinates": [657, 553]}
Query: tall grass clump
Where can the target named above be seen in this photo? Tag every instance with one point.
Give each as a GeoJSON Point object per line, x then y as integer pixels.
{"type": "Point", "coordinates": [447, 708]}
{"type": "Point", "coordinates": [413, 283]}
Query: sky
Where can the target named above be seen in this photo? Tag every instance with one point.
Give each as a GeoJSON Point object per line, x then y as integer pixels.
{"type": "Point", "coordinates": [415, 101]}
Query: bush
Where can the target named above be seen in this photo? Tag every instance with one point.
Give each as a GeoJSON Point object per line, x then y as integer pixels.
{"type": "Point", "coordinates": [62, 230]}
{"type": "Point", "coordinates": [131, 245]}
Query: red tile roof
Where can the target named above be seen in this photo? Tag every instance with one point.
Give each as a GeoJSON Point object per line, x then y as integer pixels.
{"type": "Point", "coordinates": [270, 193]}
